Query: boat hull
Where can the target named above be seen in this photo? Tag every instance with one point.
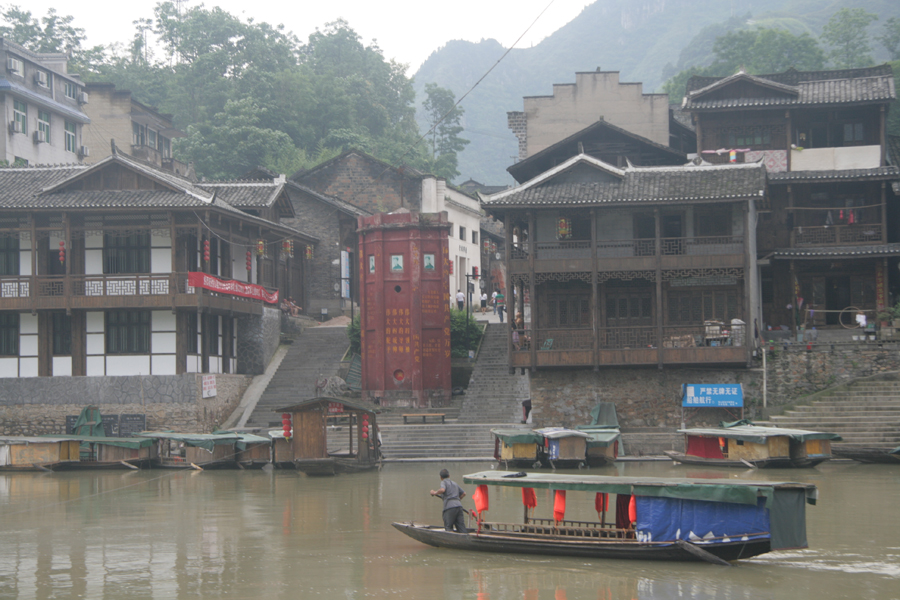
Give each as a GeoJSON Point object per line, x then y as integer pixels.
{"type": "Point", "coordinates": [759, 463]}
{"type": "Point", "coordinates": [332, 465]}
{"type": "Point", "coordinates": [867, 455]}
{"type": "Point", "coordinates": [579, 547]}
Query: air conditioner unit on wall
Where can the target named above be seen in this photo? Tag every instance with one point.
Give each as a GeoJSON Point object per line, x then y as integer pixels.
{"type": "Point", "coordinates": [39, 137]}
{"type": "Point", "coordinates": [15, 127]}
{"type": "Point", "coordinates": [83, 151]}
{"type": "Point", "coordinates": [13, 64]}
{"type": "Point", "coordinates": [82, 98]}
{"type": "Point", "coordinates": [40, 78]}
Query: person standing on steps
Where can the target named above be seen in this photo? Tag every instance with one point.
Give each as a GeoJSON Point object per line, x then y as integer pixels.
{"type": "Point", "coordinates": [501, 304]}
{"type": "Point", "coordinates": [494, 300]}
{"type": "Point", "coordinates": [460, 299]}
{"type": "Point", "coordinates": [483, 302]}
{"type": "Point", "coordinates": [451, 494]}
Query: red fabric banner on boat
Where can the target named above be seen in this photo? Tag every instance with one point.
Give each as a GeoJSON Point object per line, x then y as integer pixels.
{"type": "Point", "coordinates": [480, 497]}
{"type": "Point", "coordinates": [704, 447]}
{"type": "Point", "coordinates": [528, 498]}
{"type": "Point", "coordinates": [632, 510]}
{"type": "Point", "coordinates": [234, 288]}
{"type": "Point", "coordinates": [559, 505]}
{"type": "Point", "coordinates": [601, 502]}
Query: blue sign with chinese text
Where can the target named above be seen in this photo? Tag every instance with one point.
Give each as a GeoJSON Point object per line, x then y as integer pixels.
{"type": "Point", "coordinates": [712, 395]}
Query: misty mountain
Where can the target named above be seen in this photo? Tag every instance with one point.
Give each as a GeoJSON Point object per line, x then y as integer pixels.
{"type": "Point", "coordinates": [647, 41]}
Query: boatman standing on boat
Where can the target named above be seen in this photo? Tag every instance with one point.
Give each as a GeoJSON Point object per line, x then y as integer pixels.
{"type": "Point", "coordinates": [453, 511]}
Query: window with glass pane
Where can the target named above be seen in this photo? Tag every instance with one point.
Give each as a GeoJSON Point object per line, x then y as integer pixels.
{"type": "Point", "coordinates": [151, 138]}
{"type": "Point", "coordinates": [212, 335]}
{"type": "Point", "coordinates": [20, 115]}
{"type": "Point", "coordinates": [70, 88]}
{"type": "Point", "coordinates": [9, 334]}
{"type": "Point", "coordinates": [692, 308]}
{"type": "Point", "coordinates": [44, 124]}
{"type": "Point", "coordinates": [165, 147]}
{"type": "Point", "coordinates": [128, 332]}
{"type": "Point", "coordinates": [126, 253]}
{"type": "Point", "coordinates": [137, 134]}
{"type": "Point", "coordinates": [70, 137]}
{"type": "Point", "coordinates": [62, 334]}
{"type": "Point", "coordinates": [9, 255]}
{"type": "Point", "coordinates": [190, 325]}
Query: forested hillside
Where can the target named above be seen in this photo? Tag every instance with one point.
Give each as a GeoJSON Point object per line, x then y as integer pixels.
{"type": "Point", "coordinates": [647, 41]}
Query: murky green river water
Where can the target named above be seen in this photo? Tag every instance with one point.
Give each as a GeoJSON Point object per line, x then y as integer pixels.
{"type": "Point", "coordinates": [281, 535]}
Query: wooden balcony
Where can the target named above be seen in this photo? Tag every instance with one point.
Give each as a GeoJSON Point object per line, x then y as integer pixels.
{"type": "Point", "coordinates": [632, 346]}
{"type": "Point", "coordinates": [630, 255]}
{"type": "Point", "coordinates": [99, 292]}
{"type": "Point", "coordinates": [837, 235]}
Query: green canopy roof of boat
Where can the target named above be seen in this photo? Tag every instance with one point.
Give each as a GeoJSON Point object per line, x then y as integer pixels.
{"type": "Point", "coordinates": [757, 434]}
{"type": "Point", "coordinates": [712, 490]}
{"type": "Point", "coordinates": [517, 436]}
{"type": "Point", "coordinates": [604, 415]}
{"type": "Point", "coordinates": [10, 440]}
{"type": "Point", "coordinates": [555, 433]}
{"type": "Point", "coordinates": [132, 443]}
{"type": "Point", "coordinates": [601, 437]}
{"type": "Point", "coordinates": [200, 440]}
{"type": "Point", "coordinates": [245, 438]}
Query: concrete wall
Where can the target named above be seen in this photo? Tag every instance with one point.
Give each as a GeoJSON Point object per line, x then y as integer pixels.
{"type": "Point", "coordinates": [39, 405]}
{"type": "Point", "coordinates": [652, 398]}
{"type": "Point", "coordinates": [110, 113]}
{"type": "Point", "coordinates": [594, 95]}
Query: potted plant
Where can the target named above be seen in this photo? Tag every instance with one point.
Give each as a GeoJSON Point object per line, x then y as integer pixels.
{"type": "Point", "coordinates": [891, 314]}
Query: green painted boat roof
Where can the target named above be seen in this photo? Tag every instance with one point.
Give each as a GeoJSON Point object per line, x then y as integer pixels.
{"type": "Point", "coordinates": [758, 435]}
{"type": "Point", "coordinates": [200, 440]}
{"type": "Point", "coordinates": [132, 443]}
{"type": "Point", "coordinates": [517, 436]}
{"type": "Point", "coordinates": [601, 437]}
{"type": "Point", "coordinates": [712, 490]}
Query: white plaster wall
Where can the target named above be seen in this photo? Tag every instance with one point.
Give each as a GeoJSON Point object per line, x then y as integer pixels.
{"type": "Point", "coordinates": [28, 367]}
{"type": "Point", "coordinates": [9, 367]}
{"type": "Point", "coordinates": [162, 364]}
{"type": "Point", "coordinates": [128, 364]}
{"type": "Point", "coordinates": [162, 343]}
{"type": "Point", "coordinates": [193, 363]}
{"type": "Point", "coordinates": [62, 366]}
{"type": "Point", "coordinates": [96, 366]}
{"type": "Point", "coordinates": [94, 322]}
{"type": "Point", "coordinates": [28, 346]}
{"type": "Point", "coordinates": [828, 159]}
{"type": "Point", "coordinates": [93, 262]}
{"type": "Point", "coordinates": [162, 320]}
{"type": "Point", "coordinates": [160, 260]}
{"type": "Point", "coordinates": [28, 324]}
{"type": "Point", "coordinates": [95, 344]}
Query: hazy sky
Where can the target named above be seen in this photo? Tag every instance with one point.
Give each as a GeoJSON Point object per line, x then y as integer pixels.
{"type": "Point", "coordinates": [406, 30]}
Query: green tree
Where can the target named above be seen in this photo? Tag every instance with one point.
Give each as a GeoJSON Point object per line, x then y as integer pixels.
{"type": "Point", "coordinates": [234, 143]}
{"type": "Point", "coordinates": [443, 115]}
{"type": "Point", "coordinates": [51, 33]}
{"type": "Point", "coordinates": [846, 38]}
{"type": "Point", "coordinates": [891, 38]}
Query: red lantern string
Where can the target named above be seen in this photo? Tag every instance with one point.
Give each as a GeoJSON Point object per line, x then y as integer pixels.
{"type": "Point", "coordinates": [62, 251]}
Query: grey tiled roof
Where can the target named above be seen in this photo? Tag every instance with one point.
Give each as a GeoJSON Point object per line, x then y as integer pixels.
{"type": "Point", "coordinates": [647, 185]}
{"type": "Point", "coordinates": [838, 252]}
{"type": "Point", "coordinates": [21, 184]}
{"type": "Point", "coordinates": [245, 194]}
{"type": "Point", "coordinates": [856, 87]}
{"type": "Point", "coordinates": [889, 172]}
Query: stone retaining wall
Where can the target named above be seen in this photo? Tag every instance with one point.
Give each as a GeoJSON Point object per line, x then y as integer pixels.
{"type": "Point", "coordinates": [652, 397]}
{"type": "Point", "coordinates": [39, 405]}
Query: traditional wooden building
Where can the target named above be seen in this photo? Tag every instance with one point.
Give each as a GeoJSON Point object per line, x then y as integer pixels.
{"type": "Point", "coordinates": [120, 268]}
{"type": "Point", "coordinates": [827, 243]}
{"type": "Point", "coordinates": [632, 266]}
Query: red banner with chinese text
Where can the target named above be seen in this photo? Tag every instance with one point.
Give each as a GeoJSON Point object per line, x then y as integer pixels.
{"type": "Point", "coordinates": [235, 288]}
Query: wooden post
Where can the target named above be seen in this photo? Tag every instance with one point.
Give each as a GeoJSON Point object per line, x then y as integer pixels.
{"type": "Point", "coordinates": [595, 313]}
{"type": "Point", "coordinates": [659, 302]}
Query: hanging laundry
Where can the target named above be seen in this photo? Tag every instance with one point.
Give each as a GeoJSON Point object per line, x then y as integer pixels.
{"type": "Point", "coordinates": [829, 220]}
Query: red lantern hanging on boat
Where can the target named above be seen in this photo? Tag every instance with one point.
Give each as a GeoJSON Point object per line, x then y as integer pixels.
{"type": "Point", "coordinates": [206, 250]}
{"type": "Point", "coordinates": [287, 426]}
{"type": "Point", "coordinates": [62, 251]}
{"type": "Point", "coordinates": [365, 427]}
{"type": "Point", "coordinates": [249, 261]}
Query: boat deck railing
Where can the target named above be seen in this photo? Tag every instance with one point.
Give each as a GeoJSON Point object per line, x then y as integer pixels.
{"type": "Point", "coordinates": [577, 529]}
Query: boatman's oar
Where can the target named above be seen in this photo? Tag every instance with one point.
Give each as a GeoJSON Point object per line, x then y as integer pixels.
{"type": "Point", "coordinates": [701, 553]}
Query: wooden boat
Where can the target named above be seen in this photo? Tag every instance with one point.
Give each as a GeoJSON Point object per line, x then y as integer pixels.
{"type": "Point", "coordinates": [193, 450]}
{"type": "Point", "coordinates": [563, 448]}
{"type": "Point", "coordinates": [23, 453]}
{"type": "Point", "coordinates": [602, 448]}
{"type": "Point", "coordinates": [518, 448]}
{"type": "Point", "coordinates": [253, 451]}
{"type": "Point", "coordinates": [100, 452]}
{"type": "Point", "coordinates": [308, 444]}
{"type": "Point", "coordinates": [743, 444]}
{"type": "Point", "coordinates": [655, 519]}
{"type": "Point", "coordinates": [868, 454]}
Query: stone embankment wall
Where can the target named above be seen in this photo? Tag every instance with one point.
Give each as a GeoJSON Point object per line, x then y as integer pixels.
{"type": "Point", "coordinates": [39, 405]}
{"type": "Point", "coordinates": [651, 398]}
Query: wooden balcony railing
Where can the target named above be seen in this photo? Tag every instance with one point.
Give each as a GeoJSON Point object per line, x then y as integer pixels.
{"type": "Point", "coordinates": [581, 249]}
{"type": "Point", "coordinates": [837, 235]}
{"type": "Point", "coordinates": [103, 286]}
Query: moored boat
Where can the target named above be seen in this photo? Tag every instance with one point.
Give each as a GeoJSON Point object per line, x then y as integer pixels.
{"type": "Point", "coordinates": [743, 444]}
{"type": "Point", "coordinates": [563, 448]}
{"type": "Point", "coordinates": [23, 453]}
{"type": "Point", "coordinates": [194, 450]}
{"type": "Point", "coordinates": [602, 448]}
{"type": "Point", "coordinates": [518, 448]}
{"type": "Point", "coordinates": [253, 451]}
{"type": "Point", "coordinates": [654, 518]}
{"type": "Point", "coordinates": [100, 452]}
{"type": "Point", "coordinates": [870, 455]}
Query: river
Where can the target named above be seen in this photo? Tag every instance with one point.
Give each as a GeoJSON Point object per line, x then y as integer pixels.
{"type": "Point", "coordinates": [281, 535]}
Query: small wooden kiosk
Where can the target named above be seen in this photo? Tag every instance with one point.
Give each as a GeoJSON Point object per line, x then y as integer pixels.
{"type": "Point", "coordinates": [309, 442]}
{"type": "Point", "coordinates": [517, 447]}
